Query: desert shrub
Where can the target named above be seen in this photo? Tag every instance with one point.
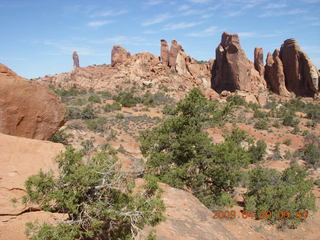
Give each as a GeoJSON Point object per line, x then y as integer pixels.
{"type": "Point", "coordinates": [168, 109]}
{"type": "Point", "coordinates": [275, 192]}
{"type": "Point", "coordinates": [290, 120]}
{"type": "Point", "coordinates": [87, 145]}
{"type": "Point", "coordinates": [311, 155]}
{"type": "Point", "coordinates": [73, 113]}
{"type": "Point", "coordinates": [261, 124]}
{"type": "Point", "coordinates": [287, 142]}
{"type": "Point", "coordinates": [60, 137]}
{"type": "Point", "coordinates": [258, 151]}
{"type": "Point", "coordinates": [236, 100]}
{"type": "Point", "coordinates": [156, 99]}
{"type": "Point", "coordinates": [259, 114]}
{"type": "Point", "coordinates": [88, 112]}
{"type": "Point", "coordinates": [112, 107]}
{"type": "Point", "coordinates": [181, 154]}
{"type": "Point", "coordinates": [96, 196]}
{"type": "Point", "coordinates": [96, 124]}
{"type": "Point", "coordinates": [119, 116]}
{"type": "Point", "coordinates": [126, 99]}
{"type": "Point", "coordinates": [78, 102]}
{"type": "Point", "coordinates": [105, 95]}
{"type": "Point", "coordinates": [94, 99]}
{"type": "Point", "coordinates": [73, 91]}
{"type": "Point", "coordinates": [317, 182]}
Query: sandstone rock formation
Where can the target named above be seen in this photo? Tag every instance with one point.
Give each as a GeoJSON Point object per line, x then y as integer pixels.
{"type": "Point", "coordinates": [232, 69]}
{"type": "Point", "coordinates": [174, 50]}
{"type": "Point", "coordinates": [164, 52]}
{"type": "Point", "coordinates": [301, 75]}
{"type": "Point", "coordinates": [75, 57]}
{"type": "Point", "coordinates": [258, 61]}
{"type": "Point", "coordinates": [274, 74]}
{"type": "Point", "coordinates": [119, 55]}
{"type": "Point", "coordinates": [28, 109]}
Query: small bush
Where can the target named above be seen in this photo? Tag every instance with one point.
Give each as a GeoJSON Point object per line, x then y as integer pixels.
{"type": "Point", "coordinates": [94, 99]}
{"type": "Point", "coordinates": [236, 100]}
{"type": "Point", "coordinates": [97, 124]}
{"type": "Point", "coordinates": [112, 107]}
{"type": "Point", "coordinates": [290, 120]}
{"type": "Point", "coordinates": [261, 124]}
{"type": "Point", "coordinates": [287, 142]}
{"type": "Point", "coordinates": [272, 191]}
{"type": "Point", "coordinates": [168, 109]}
{"type": "Point", "coordinates": [105, 95]}
{"type": "Point", "coordinates": [126, 99]}
{"type": "Point", "coordinates": [119, 116]}
{"type": "Point", "coordinates": [60, 137]}
{"type": "Point", "coordinates": [258, 151]}
{"type": "Point", "coordinates": [73, 113]}
{"type": "Point", "coordinates": [88, 112]}
{"type": "Point", "coordinates": [311, 155]}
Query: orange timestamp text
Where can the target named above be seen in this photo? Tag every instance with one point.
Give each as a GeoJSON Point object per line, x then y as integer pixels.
{"type": "Point", "coordinates": [281, 214]}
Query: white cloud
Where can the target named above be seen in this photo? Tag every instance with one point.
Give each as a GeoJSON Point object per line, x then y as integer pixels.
{"type": "Point", "coordinates": [282, 13]}
{"type": "Point", "coordinates": [153, 2]}
{"type": "Point", "coordinates": [275, 5]}
{"type": "Point", "coordinates": [98, 23]}
{"type": "Point", "coordinates": [210, 31]}
{"type": "Point", "coordinates": [184, 7]}
{"type": "Point", "coordinates": [199, 1]}
{"type": "Point", "coordinates": [311, 1]}
{"type": "Point", "coordinates": [109, 13]}
{"type": "Point", "coordinates": [181, 25]}
{"type": "Point", "coordinates": [158, 19]}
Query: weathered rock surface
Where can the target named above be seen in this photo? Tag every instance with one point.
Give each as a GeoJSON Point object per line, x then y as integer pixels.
{"type": "Point", "coordinates": [258, 61]}
{"type": "Point", "coordinates": [232, 69]}
{"type": "Point", "coordinates": [301, 75]}
{"type": "Point", "coordinates": [75, 57]}
{"type": "Point", "coordinates": [119, 55]}
{"type": "Point", "coordinates": [19, 159]}
{"type": "Point", "coordinates": [175, 48]}
{"type": "Point", "coordinates": [181, 63]}
{"type": "Point", "coordinates": [164, 52]}
{"type": "Point", "coordinates": [274, 74]}
{"type": "Point", "coordinates": [28, 109]}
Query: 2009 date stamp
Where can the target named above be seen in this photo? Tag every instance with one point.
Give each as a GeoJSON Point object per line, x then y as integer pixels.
{"type": "Point", "coordinates": [282, 214]}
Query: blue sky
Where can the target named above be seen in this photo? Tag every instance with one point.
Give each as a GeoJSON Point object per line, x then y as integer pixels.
{"type": "Point", "coordinates": [38, 37]}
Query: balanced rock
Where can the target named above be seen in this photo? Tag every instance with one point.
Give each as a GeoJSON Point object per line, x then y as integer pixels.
{"type": "Point", "coordinates": [232, 69]}
{"type": "Point", "coordinates": [75, 57]}
{"type": "Point", "coordinates": [119, 55]}
{"type": "Point", "coordinates": [28, 109]}
{"type": "Point", "coordinates": [274, 74]}
{"type": "Point", "coordinates": [301, 75]}
{"type": "Point", "coordinates": [164, 52]}
{"type": "Point", "coordinates": [175, 48]}
{"type": "Point", "coordinates": [258, 61]}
